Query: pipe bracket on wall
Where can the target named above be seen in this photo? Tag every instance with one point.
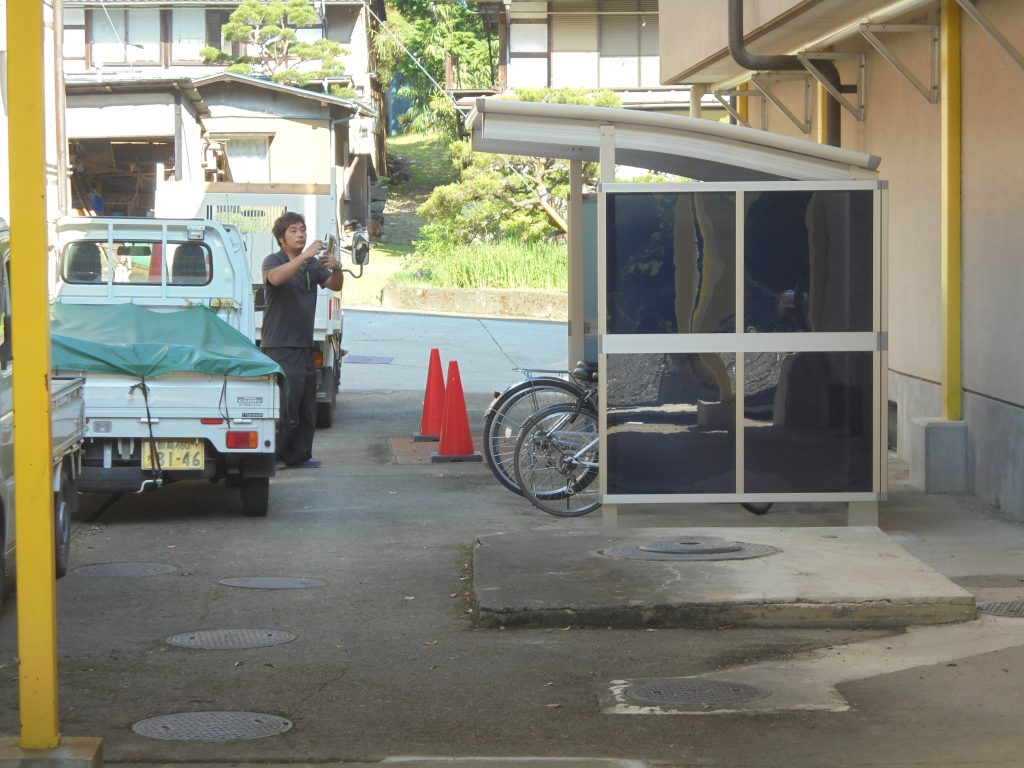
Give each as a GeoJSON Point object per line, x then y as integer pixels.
{"type": "Point", "coordinates": [972, 10]}
{"type": "Point", "coordinates": [763, 82]}
{"type": "Point", "coordinates": [807, 58]}
{"type": "Point", "coordinates": [870, 33]}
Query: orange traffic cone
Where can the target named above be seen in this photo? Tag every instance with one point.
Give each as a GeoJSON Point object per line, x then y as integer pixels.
{"type": "Point", "coordinates": [433, 401]}
{"type": "Point", "coordinates": [456, 441]}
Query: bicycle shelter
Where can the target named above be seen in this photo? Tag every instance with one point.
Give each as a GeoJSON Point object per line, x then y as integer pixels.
{"type": "Point", "coordinates": [740, 317]}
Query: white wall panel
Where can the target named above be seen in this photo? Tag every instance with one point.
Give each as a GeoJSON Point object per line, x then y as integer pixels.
{"type": "Point", "coordinates": [574, 70]}
{"type": "Point", "coordinates": [527, 73]}
{"type": "Point", "coordinates": [528, 38]}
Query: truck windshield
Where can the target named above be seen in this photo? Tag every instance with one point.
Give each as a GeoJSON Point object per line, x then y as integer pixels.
{"type": "Point", "coordinates": [137, 262]}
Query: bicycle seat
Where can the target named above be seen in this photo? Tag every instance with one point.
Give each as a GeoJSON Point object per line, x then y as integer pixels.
{"type": "Point", "coordinates": [585, 371]}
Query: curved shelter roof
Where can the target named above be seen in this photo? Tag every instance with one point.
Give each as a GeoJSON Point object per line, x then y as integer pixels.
{"type": "Point", "coordinates": [698, 149]}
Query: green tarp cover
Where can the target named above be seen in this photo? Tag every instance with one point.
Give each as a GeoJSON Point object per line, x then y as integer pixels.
{"type": "Point", "coordinates": [129, 339]}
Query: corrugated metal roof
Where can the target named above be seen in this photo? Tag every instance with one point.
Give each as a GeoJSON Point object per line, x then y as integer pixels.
{"type": "Point", "coordinates": [90, 84]}
{"type": "Point", "coordinates": [353, 105]}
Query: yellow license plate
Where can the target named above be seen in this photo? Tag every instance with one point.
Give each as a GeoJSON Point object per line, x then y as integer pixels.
{"type": "Point", "coordinates": [174, 454]}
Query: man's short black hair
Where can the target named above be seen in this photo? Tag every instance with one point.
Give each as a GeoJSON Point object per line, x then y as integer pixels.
{"type": "Point", "coordinates": [284, 221]}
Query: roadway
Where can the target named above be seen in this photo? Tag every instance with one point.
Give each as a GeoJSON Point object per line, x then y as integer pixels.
{"type": "Point", "coordinates": [386, 659]}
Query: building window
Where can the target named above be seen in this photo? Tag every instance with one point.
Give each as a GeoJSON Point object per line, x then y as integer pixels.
{"type": "Point", "coordinates": [215, 21]}
{"type": "Point", "coordinates": [124, 36]}
{"type": "Point", "coordinates": [188, 34]}
{"type": "Point", "coordinates": [248, 159]}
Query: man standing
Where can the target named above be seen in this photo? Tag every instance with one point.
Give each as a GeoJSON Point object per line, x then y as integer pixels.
{"type": "Point", "coordinates": [291, 278]}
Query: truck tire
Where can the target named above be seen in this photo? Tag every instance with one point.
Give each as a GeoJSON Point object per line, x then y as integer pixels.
{"type": "Point", "coordinates": [325, 411]}
{"type": "Point", "coordinates": [65, 507]}
{"type": "Point", "coordinates": [255, 496]}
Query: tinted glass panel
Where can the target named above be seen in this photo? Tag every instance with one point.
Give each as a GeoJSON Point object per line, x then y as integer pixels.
{"type": "Point", "coordinates": [671, 262]}
{"type": "Point", "coordinates": [671, 424]}
{"type": "Point", "coordinates": [807, 425]}
{"type": "Point", "coordinates": [808, 261]}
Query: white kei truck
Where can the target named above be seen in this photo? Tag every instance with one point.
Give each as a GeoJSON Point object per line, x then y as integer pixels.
{"type": "Point", "coordinates": [66, 415]}
{"type": "Point", "coordinates": [157, 316]}
{"type": "Point", "coordinates": [253, 212]}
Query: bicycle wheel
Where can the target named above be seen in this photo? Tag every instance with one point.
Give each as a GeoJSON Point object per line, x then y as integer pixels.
{"type": "Point", "coordinates": [556, 460]}
{"type": "Point", "coordinates": [505, 416]}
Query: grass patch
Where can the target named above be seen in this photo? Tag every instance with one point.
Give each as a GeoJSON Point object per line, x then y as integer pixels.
{"type": "Point", "coordinates": [535, 267]}
{"type": "Point", "coordinates": [427, 160]}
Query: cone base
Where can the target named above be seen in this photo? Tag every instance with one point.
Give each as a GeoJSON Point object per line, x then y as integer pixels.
{"type": "Point", "coordinates": [436, 458]}
{"type": "Point", "coordinates": [418, 438]}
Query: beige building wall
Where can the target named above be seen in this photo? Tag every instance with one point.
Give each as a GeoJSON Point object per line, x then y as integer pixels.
{"type": "Point", "coordinates": [297, 147]}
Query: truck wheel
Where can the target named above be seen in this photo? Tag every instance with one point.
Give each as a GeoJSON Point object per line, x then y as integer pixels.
{"type": "Point", "coordinates": [65, 506]}
{"type": "Point", "coordinates": [255, 496]}
{"type": "Point", "coordinates": [325, 411]}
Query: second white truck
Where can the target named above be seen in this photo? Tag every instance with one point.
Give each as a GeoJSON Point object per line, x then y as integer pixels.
{"type": "Point", "coordinates": [157, 315]}
{"type": "Point", "coordinates": [252, 213]}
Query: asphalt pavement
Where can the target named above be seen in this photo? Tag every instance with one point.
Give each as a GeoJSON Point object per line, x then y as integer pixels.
{"type": "Point", "coordinates": [370, 646]}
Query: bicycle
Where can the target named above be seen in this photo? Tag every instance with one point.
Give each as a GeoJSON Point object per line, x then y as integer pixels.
{"type": "Point", "coordinates": [557, 457]}
{"type": "Point", "coordinates": [504, 418]}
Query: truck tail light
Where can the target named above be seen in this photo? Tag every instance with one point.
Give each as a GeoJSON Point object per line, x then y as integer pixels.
{"type": "Point", "coordinates": [243, 440]}
{"type": "Point", "coordinates": [211, 421]}
{"type": "Point", "coordinates": [318, 359]}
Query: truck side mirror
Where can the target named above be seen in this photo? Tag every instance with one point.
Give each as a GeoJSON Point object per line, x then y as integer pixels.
{"type": "Point", "coordinates": [360, 249]}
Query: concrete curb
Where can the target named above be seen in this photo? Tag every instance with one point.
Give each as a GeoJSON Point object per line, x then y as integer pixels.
{"type": "Point", "coordinates": [536, 305]}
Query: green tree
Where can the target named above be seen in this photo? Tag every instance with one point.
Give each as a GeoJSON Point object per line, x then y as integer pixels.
{"type": "Point", "coordinates": [269, 31]}
{"type": "Point", "coordinates": [501, 197]}
{"type": "Point", "coordinates": [413, 50]}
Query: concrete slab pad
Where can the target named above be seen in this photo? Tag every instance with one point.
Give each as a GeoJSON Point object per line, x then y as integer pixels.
{"type": "Point", "coordinates": [818, 577]}
{"type": "Point", "coordinates": [73, 752]}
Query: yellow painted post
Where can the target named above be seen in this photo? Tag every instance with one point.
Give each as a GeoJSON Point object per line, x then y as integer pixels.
{"type": "Point", "coordinates": [822, 110]}
{"type": "Point", "coordinates": [37, 605]}
{"type": "Point", "coordinates": [742, 104]}
{"type": "Point", "coordinates": [952, 365]}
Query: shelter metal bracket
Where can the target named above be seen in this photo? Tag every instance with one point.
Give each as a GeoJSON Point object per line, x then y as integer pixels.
{"type": "Point", "coordinates": [972, 10]}
{"type": "Point", "coordinates": [807, 59]}
{"type": "Point", "coordinates": [930, 91]}
{"type": "Point", "coordinates": [763, 82]}
{"type": "Point", "coordinates": [726, 92]}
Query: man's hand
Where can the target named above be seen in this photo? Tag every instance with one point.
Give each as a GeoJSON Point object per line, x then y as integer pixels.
{"type": "Point", "coordinates": [312, 250]}
{"type": "Point", "coordinates": [329, 261]}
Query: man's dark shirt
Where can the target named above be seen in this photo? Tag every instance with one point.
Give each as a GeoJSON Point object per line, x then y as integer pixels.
{"type": "Point", "coordinates": [288, 318]}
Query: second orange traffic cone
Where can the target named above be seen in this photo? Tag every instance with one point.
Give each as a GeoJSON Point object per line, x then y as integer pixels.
{"type": "Point", "coordinates": [456, 440]}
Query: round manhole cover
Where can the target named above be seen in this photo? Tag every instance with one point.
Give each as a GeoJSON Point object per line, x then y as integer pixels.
{"type": "Point", "coordinates": [690, 548]}
{"type": "Point", "coordinates": [695, 546]}
{"type": "Point", "coordinates": [1014, 609]}
{"type": "Point", "coordinates": [230, 639]}
{"type": "Point", "coordinates": [692, 693]}
{"type": "Point", "coordinates": [272, 582]}
{"type": "Point", "coordinates": [125, 569]}
{"type": "Point", "coordinates": [211, 726]}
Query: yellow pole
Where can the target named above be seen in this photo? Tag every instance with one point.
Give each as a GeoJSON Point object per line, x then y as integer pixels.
{"type": "Point", "coordinates": [37, 605]}
{"type": "Point", "coordinates": [952, 367]}
{"type": "Point", "coordinates": [822, 110]}
{"type": "Point", "coordinates": [742, 104]}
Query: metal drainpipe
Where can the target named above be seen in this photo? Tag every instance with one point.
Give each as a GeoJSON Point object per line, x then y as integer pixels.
{"type": "Point", "coordinates": [755, 62]}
